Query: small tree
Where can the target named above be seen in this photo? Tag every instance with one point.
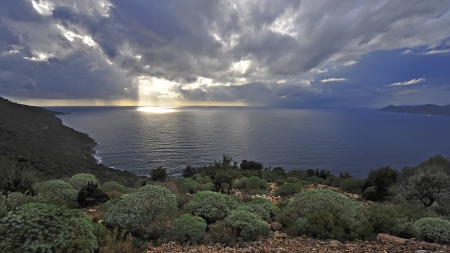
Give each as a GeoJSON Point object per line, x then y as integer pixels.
{"type": "Point", "coordinates": [91, 195]}
{"type": "Point", "coordinates": [382, 178]}
{"type": "Point", "coordinates": [427, 185]}
{"type": "Point", "coordinates": [159, 174]}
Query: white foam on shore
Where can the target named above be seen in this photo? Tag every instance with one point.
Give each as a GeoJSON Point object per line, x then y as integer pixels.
{"type": "Point", "coordinates": [98, 158]}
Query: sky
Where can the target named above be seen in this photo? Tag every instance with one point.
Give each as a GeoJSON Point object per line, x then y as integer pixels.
{"type": "Point", "coordinates": [308, 53]}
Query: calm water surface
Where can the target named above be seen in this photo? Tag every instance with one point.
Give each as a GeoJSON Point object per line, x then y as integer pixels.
{"type": "Point", "coordinates": [340, 140]}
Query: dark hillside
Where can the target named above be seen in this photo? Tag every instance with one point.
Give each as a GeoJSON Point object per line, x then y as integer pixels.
{"type": "Point", "coordinates": [52, 148]}
{"type": "Point", "coordinates": [420, 109]}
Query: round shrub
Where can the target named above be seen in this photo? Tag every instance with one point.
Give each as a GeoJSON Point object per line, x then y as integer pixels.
{"type": "Point", "coordinates": [206, 187]}
{"type": "Point", "coordinates": [256, 183]}
{"type": "Point", "coordinates": [350, 185]}
{"type": "Point", "coordinates": [220, 233]}
{"type": "Point", "coordinates": [312, 200]}
{"type": "Point", "coordinates": [186, 185]}
{"type": "Point", "coordinates": [201, 180]}
{"type": "Point", "coordinates": [316, 179]}
{"type": "Point", "coordinates": [336, 182]}
{"type": "Point", "coordinates": [370, 193]}
{"type": "Point", "coordinates": [383, 218]}
{"type": "Point", "coordinates": [16, 199]}
{"type": "Point", "coordinates": [256, 209]}
{"type": "Point", "coordinates": [144, 213]}
{"type": "Point", "coordinates": [267, 205]}
{"type": "Point", "coordinates": [3, 208]}
{"type": "Point", "coordinates": [188, 228]}
{"type": "Point", "coordinates": [288, 190]}
{"type": "Point", "coordinates": [292, 180]}
{"type": "Point", "coordinates": [241, 183]}
{"type": "Point", "coordinates": [211, 206]}
{"type": "Point", "coordinates": [38, 227]}
{"type": "Point", "coordinates": [57, 192]}
{"type": "Point", "coordinates": [81, 180]}
{"type": "Point", "coordinates": [269, 176]}
{"type": "Point", "coordinates": [433, 230]}
{"type": "Point", "coordinates": [335, 221]}
{"type": "Point", "coordinates": [246, 224]}
{"type": "Point", "coordinates": [113, 186]}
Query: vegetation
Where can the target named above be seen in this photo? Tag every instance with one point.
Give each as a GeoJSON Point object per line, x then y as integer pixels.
{"type": "Point", "coordinates": [215, 203]}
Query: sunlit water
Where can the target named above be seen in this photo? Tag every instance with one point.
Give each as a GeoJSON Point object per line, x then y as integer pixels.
{"type": "Point", "coordinates": [340, 140]}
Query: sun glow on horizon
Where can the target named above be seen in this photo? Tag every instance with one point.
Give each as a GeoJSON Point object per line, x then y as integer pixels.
{"type": "Point", "coordinates": [156, 109]}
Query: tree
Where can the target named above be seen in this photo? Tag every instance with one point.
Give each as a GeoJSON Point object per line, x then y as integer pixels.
{"type": "Point", "coordinates": [429, 184]}
{"type": "Point", "coordinates": [91, 195]}
{"type": "Point", "coordinates": [250, 165]}
{"type": "Point", "coordinates": [159, 174]}
{"type": "Point", "coordinates": [382, 178]}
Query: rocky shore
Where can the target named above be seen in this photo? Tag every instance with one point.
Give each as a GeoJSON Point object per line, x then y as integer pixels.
{"type": "Point", "coordinates": [280, 243]}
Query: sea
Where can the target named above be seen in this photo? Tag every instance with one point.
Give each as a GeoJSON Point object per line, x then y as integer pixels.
{"type": "Point", "coordinates": [340, 140]}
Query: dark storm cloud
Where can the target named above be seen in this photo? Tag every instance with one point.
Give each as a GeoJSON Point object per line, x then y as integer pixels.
{"type": "Point", "coordinates": [258, 52]}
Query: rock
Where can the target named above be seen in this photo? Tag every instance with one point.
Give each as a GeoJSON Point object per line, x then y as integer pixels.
{"type": "Point", "coordinates": [276, 226]}
{"type": "Point", "coordinates": [278, 235]}
{"type": "Point", "coordinates": [385, 238]}
{"type": "Point", "coordinates": [420, 251]}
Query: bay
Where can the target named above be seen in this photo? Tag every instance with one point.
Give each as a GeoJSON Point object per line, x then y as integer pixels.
{"type": "Point", "coordinates": [339, 140]}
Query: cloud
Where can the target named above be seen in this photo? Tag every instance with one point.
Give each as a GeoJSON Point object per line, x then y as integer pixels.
{"type": "Point", "coordinates": [98, 49]}
{"type": "Point", "coordinates": [333, 80]}
{"type": "Point", "coordinates": [407, 52]}
{"type": "Point", "coordinates": [413, 81]}
{"type": "Point", "coordinates": [444, 51]}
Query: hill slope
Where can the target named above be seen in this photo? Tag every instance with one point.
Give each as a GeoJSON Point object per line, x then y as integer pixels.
{"type": "Point", "coordinates": [52, 148]}
{"type": "Point", "coordinates": [420, 109]}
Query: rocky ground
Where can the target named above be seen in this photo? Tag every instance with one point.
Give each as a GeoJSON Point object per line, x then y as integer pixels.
{"type": "Point", "coordinates": [280, 243]}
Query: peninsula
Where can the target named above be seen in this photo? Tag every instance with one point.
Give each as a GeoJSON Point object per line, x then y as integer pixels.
{"type": "Point", "coordinates": [428, 109]}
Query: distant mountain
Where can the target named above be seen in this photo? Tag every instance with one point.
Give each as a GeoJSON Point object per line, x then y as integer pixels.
{"type": "Point", "coordinates": [428, 109]}
{"type": "Point", "coordinates": [51, 148]}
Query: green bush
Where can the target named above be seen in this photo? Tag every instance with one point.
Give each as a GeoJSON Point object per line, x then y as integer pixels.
{"type": "Point", "coordinates": [201, 180]}
{"type": "Point", "coordinates": [113, 186]}
{"type": "Point", "coordinates": [256, 183]}
{"type": "Point", "coordinates": [81, 180]}
{"type": "Point", "coordinates": [312, 200]}
{"type": "Point", "coordinates": [370, 194]}
{"type": "Point", "coordinates": [38, 227]}
{"type": "Point", "coordinates": [433, 230]}
{"type": "Point", "coordinates": [241, 183]}
{"type": "Point", "coordinates": [269, 176]}
{"type": "Point", "coordinates": [188, 228]}
{"type": "Point", "coordinates": [91, 195]}
{"type": "Point", "coordinates": [292, 180]}
{"type": "Point", "coordinates": [220, 233]}
{"type": "Point", "coordinates": [316, 179]}
{"type": "Point", "coordinates": [186, 185]}
{"type": "Point", "coordinates": [246, 224]}
{"type": "Point", "coordinates": [211, 206]}
{"type": "Point", "coordinates": [336, 182]}
{"type": "Point", "coordinates": [57, 192]}
{"type": "Point", "coordinates": [256, 209]}
{"type": "Point", "coordinates": [384, 219]}
{"type": "Point", "coordinates": [288, 189]}
{"type": "Point", "coordinates": [267, 205]}
{"type": "Point", "coordinates": [335, 221]}
{"type": "Point", "coordinates": [3, 207]}
{"type": "Point", "coordinates": [350, 185]}
{"type": "Point", "coordinates": [16, 199]}
{"type": "Point", "coordinates": [144, 213]}
{"type": "Point", "coordinates": [206, 187]}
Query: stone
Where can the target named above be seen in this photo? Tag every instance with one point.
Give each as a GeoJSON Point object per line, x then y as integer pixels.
{"type": "Point", "coordinates": [276, 226]}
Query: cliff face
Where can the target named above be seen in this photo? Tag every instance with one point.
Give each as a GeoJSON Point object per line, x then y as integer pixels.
{"type": "Point", "coordinates": [53, 149]}
{"type": "Point", "coordinates": [420, 109]}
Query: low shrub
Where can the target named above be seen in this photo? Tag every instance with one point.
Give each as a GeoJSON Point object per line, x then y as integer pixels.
{"type": "Point", "coordinates": [57, 192]}
{"type": "Point", "coordinates": [206, 187]}
{"type": "Point", "coordinates": [220, 233]}
{"type": "Point", "coordinates": [16, 199]}
{"type": "Point", "coordinates": [370, 194]}
{"type": "Point", "coordinates": [211, 206]}
{"type": "Point", "coordinates": [267, 205]}
{"type": "Point", "coordinates": [241, 183]}
{"type": "Point", "coordinates": [144, 213]}
{"type": "Point", "coordinates": [256, 209]}
{"type": "Point", "coordinates": [433, 230]}
{"type": "Point", "coordinates": [113, 186]}
{"type": "Point", "coordinates": [256, 183]}
{"type": "Point", "coordinates": [246, 224]}
{"type": "Point", "coordinates": [201, 180]}
{"type": "Point", "coordinates": [188, 228]}
{"type": "Point", "coordinates": [351, 185]}
{"type": "Point", "coordinates": [91, 195]}
{"type": "Point", "coordinates": [384, 219]}
{"type": "Point", "coordinates": [38, 227]}
{"type": "Point", "coordinates": [3, 206]}
{"type": "Point", "coordinates": [186, 185]}
{"type": "Point", "coordinates": [288, 189]}
{"type": "Point", "coordinates": [292, 180]}
{"type": "Point", "coordinates": [118, 242]}
{"type": "Point", "coordinates": [81, 180]}
{"type": "Point", "coordinates": [336, 182]}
